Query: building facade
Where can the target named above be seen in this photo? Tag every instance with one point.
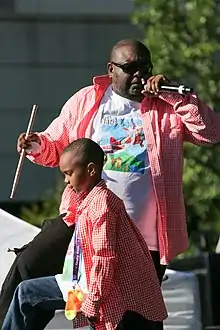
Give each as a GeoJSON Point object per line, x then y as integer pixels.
{"type": "Point", "coordinates": [49, 50]}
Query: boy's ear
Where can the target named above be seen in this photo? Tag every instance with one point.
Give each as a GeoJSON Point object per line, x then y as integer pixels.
{"type": "Point", "coordinates": [92, 170]}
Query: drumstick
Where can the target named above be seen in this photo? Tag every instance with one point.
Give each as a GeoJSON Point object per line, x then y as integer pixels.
{"type": "Point", "coordinates": [22, 155]}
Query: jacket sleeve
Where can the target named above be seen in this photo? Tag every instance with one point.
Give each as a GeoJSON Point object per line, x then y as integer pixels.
{"type": "Point", "coordinates": [104, 261]}
{"type": "Point", "coordinates": [201, 124]}
{"type": "Point", "coordinates": [57, 136]}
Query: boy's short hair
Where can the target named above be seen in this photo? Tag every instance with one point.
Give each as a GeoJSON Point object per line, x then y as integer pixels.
{"type": "Point", "coordinates": [87, 151]}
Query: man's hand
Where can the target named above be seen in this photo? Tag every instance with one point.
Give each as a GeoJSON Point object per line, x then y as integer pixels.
{"type": "Point", "coordinates": [25, 143]}
{"type": "Point", "coordinates": [152, 86]}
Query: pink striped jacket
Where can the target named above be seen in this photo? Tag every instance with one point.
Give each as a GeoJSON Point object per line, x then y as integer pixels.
{"type": "Point", "coordinates": [168, 121]}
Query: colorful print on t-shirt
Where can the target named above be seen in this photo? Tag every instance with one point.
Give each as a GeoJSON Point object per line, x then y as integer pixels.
{"type": "Point", "coordinates": [123, 140]}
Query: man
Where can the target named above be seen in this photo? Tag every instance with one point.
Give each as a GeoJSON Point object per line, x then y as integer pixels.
{"type": "Point", "coordinates": [142, 128]}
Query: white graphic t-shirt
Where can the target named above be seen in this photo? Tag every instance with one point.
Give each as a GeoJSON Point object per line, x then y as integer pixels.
{"type": "Point", "coordinates": [118, 129]}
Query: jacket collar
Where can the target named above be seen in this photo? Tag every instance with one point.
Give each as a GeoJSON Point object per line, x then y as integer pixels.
{"type": "Point", "coordinates": [102, 81]}
{"type": "Point", "coordinates": [86, 197]}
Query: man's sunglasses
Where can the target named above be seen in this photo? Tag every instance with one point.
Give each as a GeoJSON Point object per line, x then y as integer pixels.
{"type": "Point", "coordinates": [133, 67]}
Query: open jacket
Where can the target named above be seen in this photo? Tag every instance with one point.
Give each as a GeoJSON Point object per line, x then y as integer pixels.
{"type": "Point", "coordinates": [119, 269]}
{"type": "Point", "coordinates": [168, 121]}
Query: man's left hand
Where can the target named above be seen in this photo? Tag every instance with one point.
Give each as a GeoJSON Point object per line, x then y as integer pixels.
{"type": "Point", "coordinates": [152, 86]}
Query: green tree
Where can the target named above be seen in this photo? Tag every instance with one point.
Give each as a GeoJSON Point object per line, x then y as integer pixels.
{"type": "Point", "coordinates": [47, 209]}
{"type": "Point", "coordinates": [184, 39]}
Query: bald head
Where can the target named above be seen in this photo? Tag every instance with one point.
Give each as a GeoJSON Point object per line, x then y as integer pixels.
{"type": "Point", "coordinates": [131, 45]}
{"type": "Point", "coordinates": [130, 61]}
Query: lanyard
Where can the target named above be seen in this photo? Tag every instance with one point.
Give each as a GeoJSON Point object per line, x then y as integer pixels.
{"type": "Point", "coordinates": [76, 256]}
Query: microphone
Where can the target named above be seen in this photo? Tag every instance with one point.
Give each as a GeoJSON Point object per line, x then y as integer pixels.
{"type": "Point", "coordinates": [181, 89]}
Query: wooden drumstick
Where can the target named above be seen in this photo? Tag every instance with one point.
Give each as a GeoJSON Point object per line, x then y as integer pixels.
{"type": "Point", "coordinates": [22, 155]}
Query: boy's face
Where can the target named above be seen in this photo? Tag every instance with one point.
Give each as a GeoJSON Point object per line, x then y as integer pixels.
{"type": "Point", "coordinates": [78, 176]}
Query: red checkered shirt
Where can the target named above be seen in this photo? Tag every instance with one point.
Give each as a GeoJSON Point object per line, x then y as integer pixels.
{"type": "Point", "coordinates": [168, 121]}
{"type": "Point", "coordinates": [119, 269]}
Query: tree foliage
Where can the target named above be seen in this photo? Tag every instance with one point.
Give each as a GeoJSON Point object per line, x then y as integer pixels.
{"type": "Point", "coordinates": [184, 39]}
{"type": "Point", "coordinates": [47, 209]}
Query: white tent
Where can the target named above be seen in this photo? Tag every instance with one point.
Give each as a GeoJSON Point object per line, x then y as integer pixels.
{"type": "Point", "coordinates": [14, 233]}
{"type": "Point", "coordinates": [180, 290]}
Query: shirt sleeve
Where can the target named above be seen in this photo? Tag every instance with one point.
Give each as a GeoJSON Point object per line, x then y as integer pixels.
{"type": "Point", "coordinates": [57, 136]}
{"type": "Point", "coordinates": [201, 124]}
{"type": "Point", "coordinates": [103, 261]}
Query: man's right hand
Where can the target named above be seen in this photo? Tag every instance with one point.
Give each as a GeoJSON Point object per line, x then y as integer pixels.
{"type": "Point", "coordinates": [25, 143]}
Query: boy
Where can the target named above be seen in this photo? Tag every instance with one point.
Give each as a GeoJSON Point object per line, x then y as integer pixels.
{"type": "Point", "coordinates": [116, 274]}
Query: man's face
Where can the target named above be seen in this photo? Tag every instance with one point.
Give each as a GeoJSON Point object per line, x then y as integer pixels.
{"type": "Point", "coordinates": [127, 69]}
{"type": "Point", "coordinates": [76, 174]}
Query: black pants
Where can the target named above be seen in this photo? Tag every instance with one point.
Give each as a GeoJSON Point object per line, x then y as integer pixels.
{"type": "Point", "coordinates": [160, 269]}
{"type": "Point", "coordinates": [134, 321]}
{"type": "Point", "coordinates": [44, 256]}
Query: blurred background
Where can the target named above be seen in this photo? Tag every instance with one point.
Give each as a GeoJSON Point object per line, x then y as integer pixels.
{"type": "Point", "coordinates": [49, 49]}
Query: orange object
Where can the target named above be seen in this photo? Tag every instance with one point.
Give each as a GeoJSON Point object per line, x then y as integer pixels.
{"type": "Point", "coordinates": [74, 302]}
